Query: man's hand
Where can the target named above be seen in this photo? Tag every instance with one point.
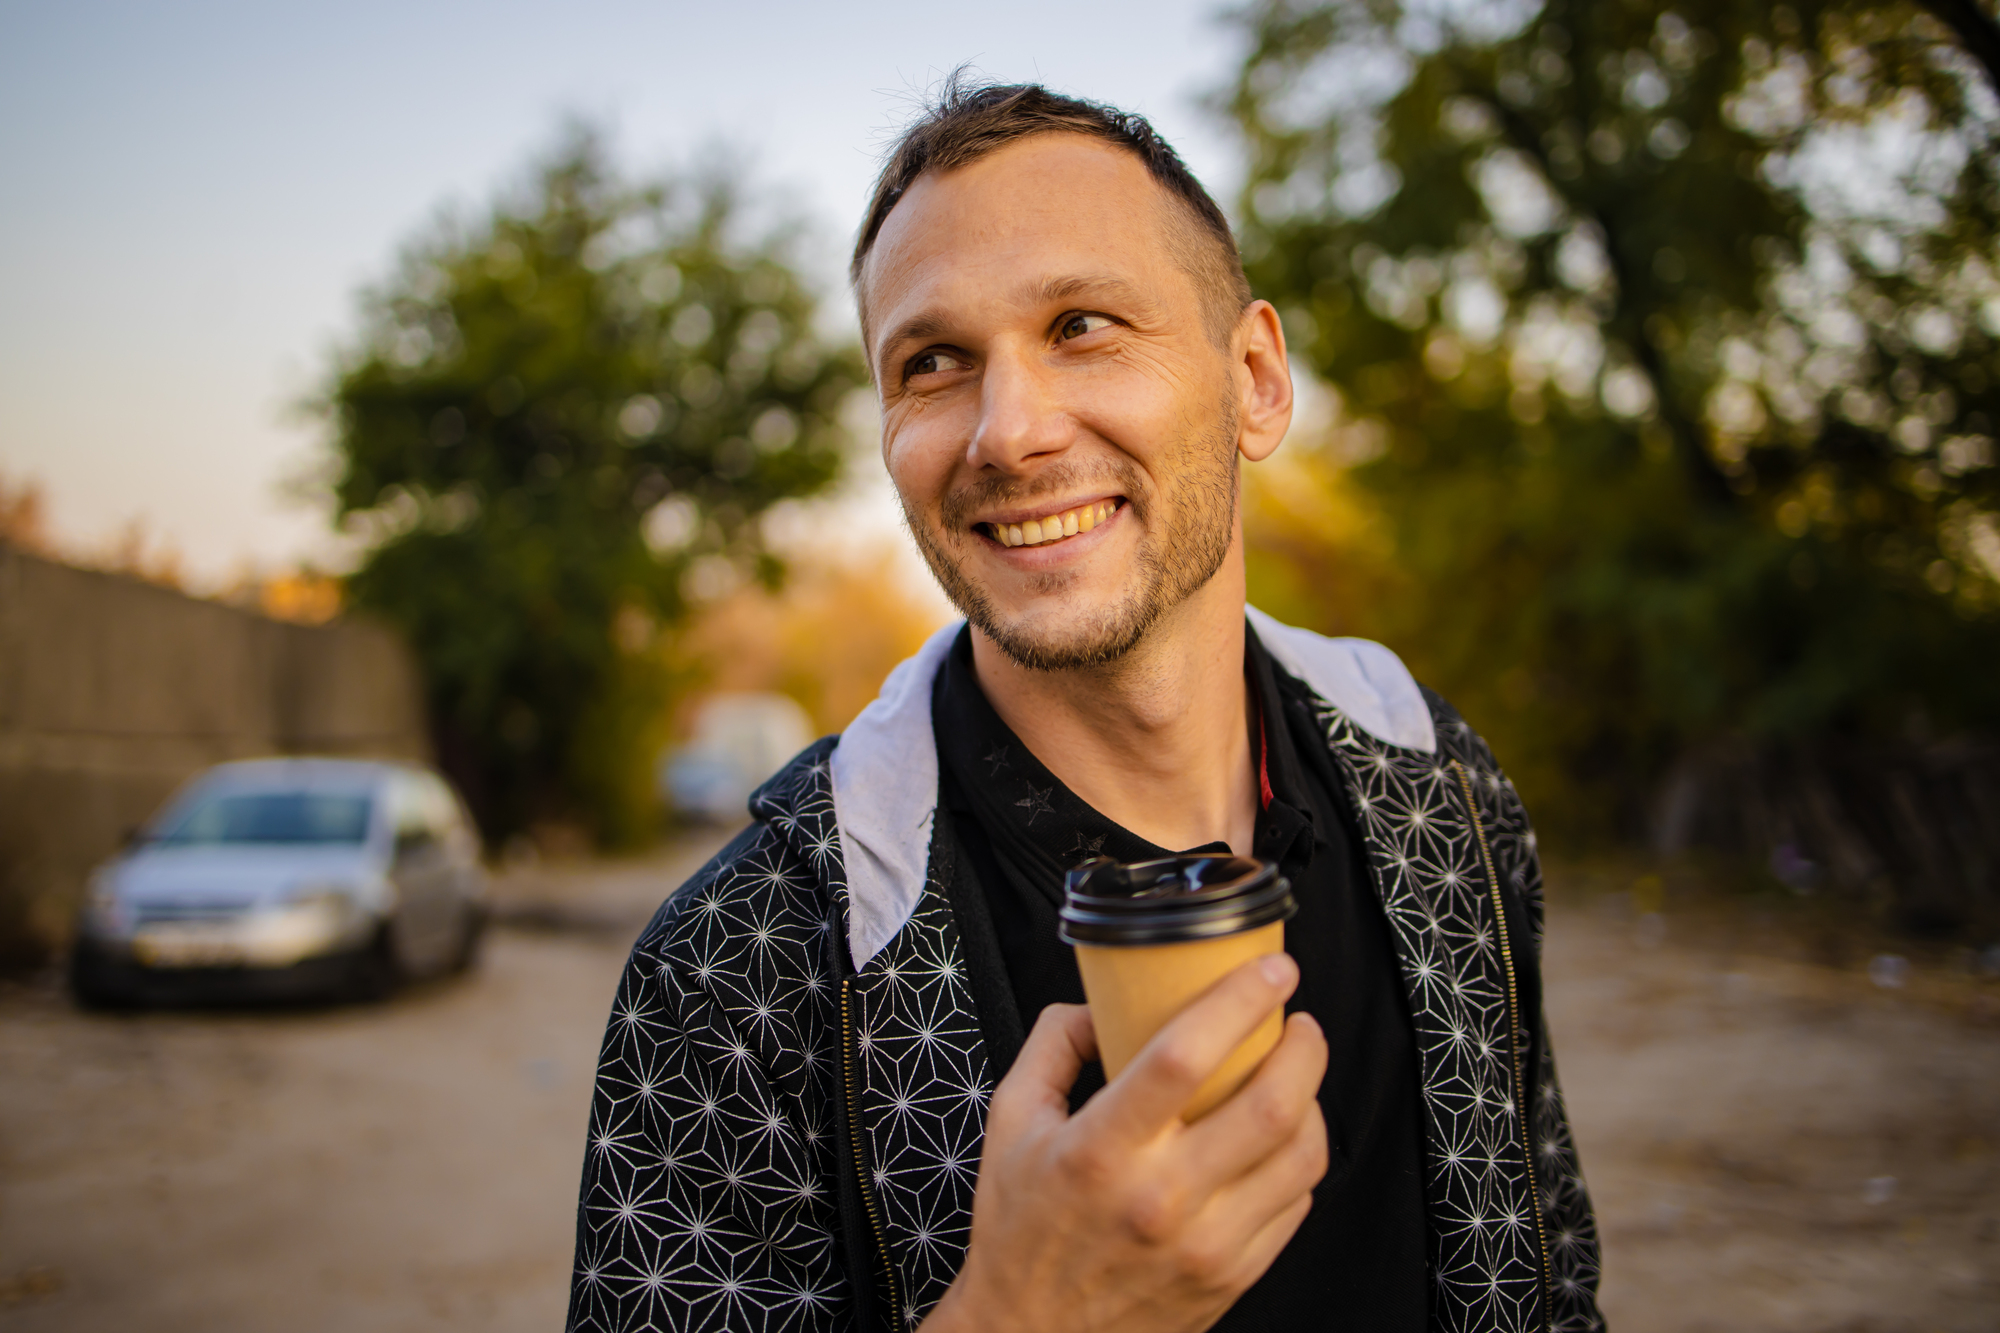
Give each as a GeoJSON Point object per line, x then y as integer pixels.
{"type": "Point", "coordinates": [1122, 1217]}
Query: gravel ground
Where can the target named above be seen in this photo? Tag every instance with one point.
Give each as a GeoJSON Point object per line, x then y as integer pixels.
{"type": "Point", "coordinates": [1775, 1141]}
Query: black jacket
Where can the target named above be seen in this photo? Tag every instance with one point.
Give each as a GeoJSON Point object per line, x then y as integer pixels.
{"type": "Point", "coordinates": [782, 1140]}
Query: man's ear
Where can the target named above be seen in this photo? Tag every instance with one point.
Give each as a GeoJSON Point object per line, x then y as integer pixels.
{"type": "Point", "coordinates": [1263, 381]}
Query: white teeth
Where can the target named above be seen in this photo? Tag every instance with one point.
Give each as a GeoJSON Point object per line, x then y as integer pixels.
{"type": "Point", "coordinates": [1037, 531]}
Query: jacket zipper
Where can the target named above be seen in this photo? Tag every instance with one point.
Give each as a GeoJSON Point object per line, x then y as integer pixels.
{"type": "Point", "coordinates": [860, 1159]}
{"type": "Point", "coordinates": [1513, 1037]}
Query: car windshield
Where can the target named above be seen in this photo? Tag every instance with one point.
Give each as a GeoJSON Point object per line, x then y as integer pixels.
{"type": "Point", "coordinates": [273, 816]}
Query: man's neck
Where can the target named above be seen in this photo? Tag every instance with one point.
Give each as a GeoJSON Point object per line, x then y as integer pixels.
{"type": "Point", "coordinates": [1158, 741]}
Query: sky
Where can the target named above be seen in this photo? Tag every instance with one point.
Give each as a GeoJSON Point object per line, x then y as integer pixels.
{"type": "Point", "coordinates": [191, 195]}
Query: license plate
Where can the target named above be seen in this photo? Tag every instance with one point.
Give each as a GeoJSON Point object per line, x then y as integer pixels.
{"type": "Point", "coordinates": [186, 947]}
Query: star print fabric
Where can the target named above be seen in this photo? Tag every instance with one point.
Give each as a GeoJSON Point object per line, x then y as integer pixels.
{"type": "Point", "coordinates": [716, 1186]}
{"type": "Point", "coordinates": [708, 1198]}
{"type": "Point", "coordinates": [1491, 1221]}
{"type": "Point", "coordinates": [1570, 1223]}
{"type": "Point", "coordinates": [924, 1087]}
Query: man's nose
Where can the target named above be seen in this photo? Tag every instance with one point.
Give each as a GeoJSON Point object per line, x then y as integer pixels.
{"type": "Point", "coordinates": [1020, 421]}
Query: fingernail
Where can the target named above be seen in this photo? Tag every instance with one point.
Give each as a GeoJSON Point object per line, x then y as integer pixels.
{"type": "Point", "coordinates": [1277, 969]}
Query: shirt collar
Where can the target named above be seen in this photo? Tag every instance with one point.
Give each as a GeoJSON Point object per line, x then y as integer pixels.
{"type": "Point", "coordinates": [1047, 828]}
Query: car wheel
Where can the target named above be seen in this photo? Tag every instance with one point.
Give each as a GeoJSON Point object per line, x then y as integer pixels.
{"type": "Point", "coordinates": [471, 936]}
{"type": "Point", "coordinates": [98, 983]}
{"type": "Point", "coordinates": [375, 974]}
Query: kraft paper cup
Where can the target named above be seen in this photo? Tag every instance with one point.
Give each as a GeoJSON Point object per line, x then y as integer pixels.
{"type": "Point", "coordinates": [1152, 935]}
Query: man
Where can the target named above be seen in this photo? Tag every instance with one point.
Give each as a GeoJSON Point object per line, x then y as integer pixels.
{"type": "Point", "coordinates": [848, 1081]}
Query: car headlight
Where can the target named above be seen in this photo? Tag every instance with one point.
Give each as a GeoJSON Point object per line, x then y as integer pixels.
{"type": "Point", "coordinates": [335, 904]}
{"type": "Point", "coordinates": [104, 908]}
{"type": "Point", "coordinates": [311, 891]}
{"type": "Point", "coordinates": [310, 920]}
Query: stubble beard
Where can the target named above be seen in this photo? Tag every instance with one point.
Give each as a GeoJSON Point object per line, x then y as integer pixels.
{"type": "Point", "coordinates": [1188, 532]}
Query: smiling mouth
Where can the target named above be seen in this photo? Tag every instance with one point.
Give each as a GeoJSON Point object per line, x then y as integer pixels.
{"type": "Point", "coordinates": [1055, 527]}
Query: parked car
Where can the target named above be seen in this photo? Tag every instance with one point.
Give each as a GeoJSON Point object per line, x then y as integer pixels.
{"type": "Point", "coordinates": [286, 878]}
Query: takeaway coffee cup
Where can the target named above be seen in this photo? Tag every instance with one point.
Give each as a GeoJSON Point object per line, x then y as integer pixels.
{"type": "Point", "coordinates": [1152, 935]}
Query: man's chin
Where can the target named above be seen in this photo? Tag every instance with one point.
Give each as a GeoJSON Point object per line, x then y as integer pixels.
{"type": "Point", "coordinates": [1056, 623]}
{"type": "Point", "coordinates": [1065, 638]}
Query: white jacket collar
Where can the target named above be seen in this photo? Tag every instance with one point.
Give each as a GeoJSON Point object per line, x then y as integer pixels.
{"type": "Point", "coordinates": [885, 768]}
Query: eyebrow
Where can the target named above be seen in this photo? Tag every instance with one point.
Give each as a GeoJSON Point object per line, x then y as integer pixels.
{"type": "Point", "coordinates": [920, 327]}
{"type": "Point", "coordinates": [928, 324]}
{"type": "Point", "coordinates": [1070, 286]}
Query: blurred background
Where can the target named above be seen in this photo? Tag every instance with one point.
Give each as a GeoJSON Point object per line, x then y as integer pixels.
{"type": "Point", "coordinates": [475, 387]}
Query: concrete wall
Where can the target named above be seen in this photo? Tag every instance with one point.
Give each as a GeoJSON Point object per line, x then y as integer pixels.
{"type": "Point", "coordinates": [113, 692]}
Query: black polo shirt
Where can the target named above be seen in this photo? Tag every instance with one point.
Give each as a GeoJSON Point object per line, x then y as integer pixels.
{"type": "Point", "coordinates": [1009, 829]}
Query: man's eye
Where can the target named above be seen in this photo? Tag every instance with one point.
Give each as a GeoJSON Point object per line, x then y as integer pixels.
{"type": "Point", "coordinates": [1078, 325]}
{"type": "Point", "coordinates": [930, 363]}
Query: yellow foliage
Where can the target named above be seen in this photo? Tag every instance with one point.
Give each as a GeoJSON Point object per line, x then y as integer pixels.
{"type": "Point", "coordinates": [1318, 548]}
{"type": "Point", "coordinates": [304, 597]}
{"type": "Point", "coordinates": [24, 520]}
{"type": "Point", "coordinates": [827, 638]}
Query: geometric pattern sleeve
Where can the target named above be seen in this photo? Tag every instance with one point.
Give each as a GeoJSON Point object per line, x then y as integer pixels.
{"type": "Point", "coordinates": [1572, 1226]}
{"type": "Point", "coordinates": [924, 1084]}
{"type": "Point", "coordinates": [708, 1194]}
{"type": "Point", "coordinates": [1570, 1223]}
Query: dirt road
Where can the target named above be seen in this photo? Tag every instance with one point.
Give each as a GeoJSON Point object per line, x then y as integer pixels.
{"type": "Point", "coordinates": [1775, 1143]}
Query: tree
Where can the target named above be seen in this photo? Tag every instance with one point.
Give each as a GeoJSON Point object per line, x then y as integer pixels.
{"type": "Point", "coordinates": [1670, 331]}
{"type": "Point", "coordinates": [554, 421]}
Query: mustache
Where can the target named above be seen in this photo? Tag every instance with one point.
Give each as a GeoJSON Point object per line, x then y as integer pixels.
{"type": "Point", "coordinates": [1065, 478]}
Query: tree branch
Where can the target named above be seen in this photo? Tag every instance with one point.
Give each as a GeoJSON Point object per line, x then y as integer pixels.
{"type": "Point", "coordinates": [1709, 482]}
{"type": "Point", "coordinates": [1975, 27]}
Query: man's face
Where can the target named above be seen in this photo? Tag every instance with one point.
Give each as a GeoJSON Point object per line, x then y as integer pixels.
{"type": "Point", "coordinates": [1058, 421]}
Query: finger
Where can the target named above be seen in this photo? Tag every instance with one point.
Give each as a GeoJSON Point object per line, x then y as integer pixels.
{"type": "Point", "coordinates": [1228, 1248]}
{"type": "Point", "coordinates": [1046, 1068]}
{"type": "Point", "coordinates": [1270, 1191]}
{"type": "Point", "coordinates": [1262, 1250]}
{"type": "Point", "coordinates": [1263, 1121]}
{"type": "Point", "coordinates": [1262, 1115]}
{"type": "Point", "coordinates": [1163, 1077]}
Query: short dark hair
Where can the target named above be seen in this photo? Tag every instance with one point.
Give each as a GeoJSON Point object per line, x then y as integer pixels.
{"type": "Point", "coordinates": [968, 119]}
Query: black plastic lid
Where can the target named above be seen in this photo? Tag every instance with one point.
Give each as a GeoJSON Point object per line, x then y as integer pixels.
{"type": "Point", "coordinates": [1171, 901]}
